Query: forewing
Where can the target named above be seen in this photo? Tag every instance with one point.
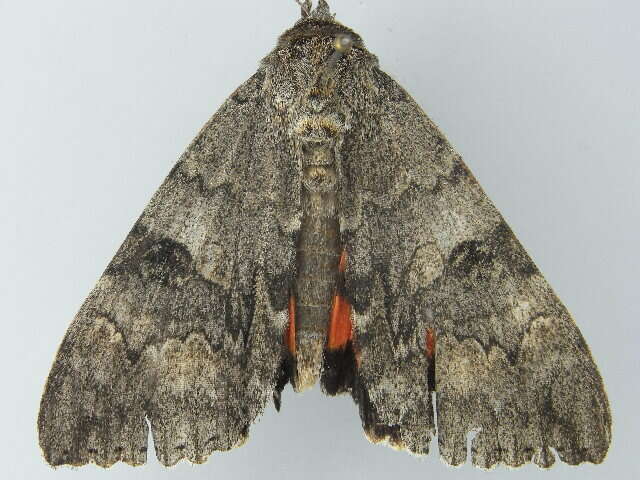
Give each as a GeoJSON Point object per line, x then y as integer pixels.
{"type": "Point", "coordinates": [186, 325]}
{"type": "Point", "coordinates": [429, 255]}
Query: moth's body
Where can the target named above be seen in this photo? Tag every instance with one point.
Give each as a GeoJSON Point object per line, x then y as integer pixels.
{"type": "Point", "coordinates": [317, 130]}
{"type": "Point", "coordinates": [320, 225]}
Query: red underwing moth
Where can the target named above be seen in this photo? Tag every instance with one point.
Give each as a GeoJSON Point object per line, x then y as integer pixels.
{"type": "Point", "coordinates": [320, 228]}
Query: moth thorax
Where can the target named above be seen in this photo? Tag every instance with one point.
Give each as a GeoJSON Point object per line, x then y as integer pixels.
{"type": "Point", "coordinates": [317, 153]}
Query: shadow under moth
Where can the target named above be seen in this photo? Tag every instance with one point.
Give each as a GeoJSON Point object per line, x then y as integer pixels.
{"type": "Point", "coordinates": [321, 228]}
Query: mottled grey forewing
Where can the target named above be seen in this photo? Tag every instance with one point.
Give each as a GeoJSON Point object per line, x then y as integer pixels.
{"type": "Point", "coordinates": [186, 325]}
{"type": "Point", "coordinates": [428, 250]}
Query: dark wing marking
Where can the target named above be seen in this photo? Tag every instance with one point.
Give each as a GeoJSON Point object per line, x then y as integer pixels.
{"type": "Point", "coordinates": [428, 250]}
{"type": "Point", "coordinates": [185, 326]}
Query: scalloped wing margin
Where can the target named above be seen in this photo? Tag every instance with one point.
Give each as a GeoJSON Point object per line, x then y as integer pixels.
{"type": "Point", "coordinates": [428, 250]}
{"type": "Point", "coordinates": [184, 329]}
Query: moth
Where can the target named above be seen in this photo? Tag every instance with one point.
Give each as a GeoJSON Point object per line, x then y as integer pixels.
{"type": "Point", "coordinates": [320, 228]}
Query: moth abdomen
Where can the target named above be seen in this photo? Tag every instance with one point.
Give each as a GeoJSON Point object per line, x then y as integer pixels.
{"type": "Point", "coordinates": [318, 254]}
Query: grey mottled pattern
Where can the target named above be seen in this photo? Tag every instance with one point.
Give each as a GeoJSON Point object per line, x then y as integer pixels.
{"type": "Point", "coordinates": [186, 324]}
{"type": "Point", "coordinates": [186, 327]}
{"type": "Point", "coordinates": [428, 249]}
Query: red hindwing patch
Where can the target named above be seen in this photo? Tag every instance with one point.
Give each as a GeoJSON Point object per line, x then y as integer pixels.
{"type": "Point", "coordinates": [290, 334]}
{"type": "Point", "coordinates": [431, 343]}
{"type": "Point", "coordinates": [340, 328]}
{"type": "Point", "coordinates": [339, 323]}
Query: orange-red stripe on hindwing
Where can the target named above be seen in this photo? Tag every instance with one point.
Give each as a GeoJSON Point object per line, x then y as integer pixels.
{"type": "Point", "coordinates": [290, 334]}
{"type": "Point", "coordinates": [340, 328]}
{"type": "Point", "coordinates": [430, 343]}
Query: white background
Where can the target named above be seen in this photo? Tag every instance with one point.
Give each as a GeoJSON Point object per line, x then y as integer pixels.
{"type": "Point", "coordinates": [98, 99]}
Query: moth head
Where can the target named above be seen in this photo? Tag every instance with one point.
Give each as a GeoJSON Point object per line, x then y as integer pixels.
{"type": "Point", "coordinates": [314, 59]}
{"type": "Point", "coordinates": [319, 23]}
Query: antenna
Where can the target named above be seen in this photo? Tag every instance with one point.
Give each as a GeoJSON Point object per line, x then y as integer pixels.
{"type": "Point", "coordinates": [305, 7]}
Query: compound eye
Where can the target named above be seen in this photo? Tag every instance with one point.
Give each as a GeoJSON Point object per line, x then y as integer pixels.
{"type": "Point", "coordinates": [343, 43]}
